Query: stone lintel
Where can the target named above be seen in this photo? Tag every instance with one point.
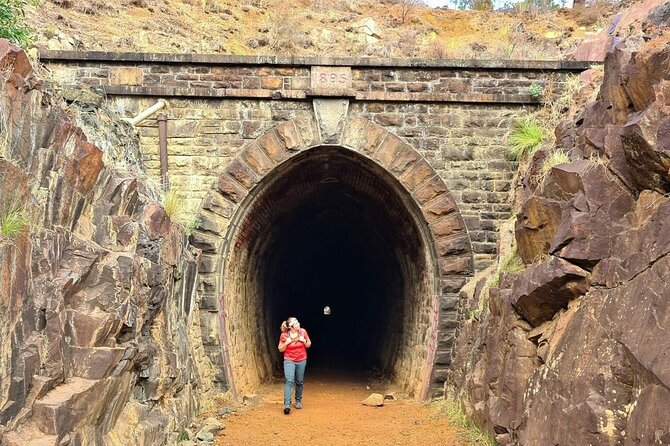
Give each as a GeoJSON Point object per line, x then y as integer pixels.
{"type": "Point", "coordinates": [382, 62]}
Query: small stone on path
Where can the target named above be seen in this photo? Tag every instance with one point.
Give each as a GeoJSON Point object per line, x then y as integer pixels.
{"type": "Point", "coordinates": [375, 399]}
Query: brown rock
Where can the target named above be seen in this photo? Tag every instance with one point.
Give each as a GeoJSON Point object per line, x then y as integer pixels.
{"type": "Point", "coordinates": [592, 217]}
{"type": "Point", "coordinates": [406, 157]}
{"type": "Point", "coordinates": [543, 289]}
{"type": "Point", "coordinates": [637, 249]}
{"type": "Point", "coordinates": [536, 227]}
{"type": "Point", "coordinates": [12, 56]}
{"type": "Point", "coordinates": [374, 135]}
{"type": "Point", "coordinates": [461, 264]}
{"type": "Point", "coordinates": [439, 207]}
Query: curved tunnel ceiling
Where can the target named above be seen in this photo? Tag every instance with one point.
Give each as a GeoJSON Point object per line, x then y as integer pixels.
{"type": "Point", "coordinates": [330, 228]}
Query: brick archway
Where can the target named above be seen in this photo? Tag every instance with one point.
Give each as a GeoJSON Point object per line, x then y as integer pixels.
{"type": "Point", "coordinates": [229, 214]}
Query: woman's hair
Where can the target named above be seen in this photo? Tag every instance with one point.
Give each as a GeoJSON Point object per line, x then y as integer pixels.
{"type": "Point", "coordinates": [284, 325]}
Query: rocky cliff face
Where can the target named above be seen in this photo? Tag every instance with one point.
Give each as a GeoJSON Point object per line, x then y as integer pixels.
{"type": "Point", "coordinates": [99, 336]}
{"type": "Point", "coordinates": [575, 348]}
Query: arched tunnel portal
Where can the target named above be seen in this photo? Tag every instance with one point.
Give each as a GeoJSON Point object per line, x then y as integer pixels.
{"type": "Point", "coordinates": [333, 226]}
{"type": "Point", "coordinates": [330, 228]}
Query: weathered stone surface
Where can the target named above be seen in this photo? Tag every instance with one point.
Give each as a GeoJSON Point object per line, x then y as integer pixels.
{"type": "Point", "coordinates": [373, 136]}
{"type": "Point", "coordinates": [308, 130]}
{"type": "Point", "coordinates": [388, 149]}
{"type": "Point", "coordinates": [456, 265]}
{"type": "Point", "coordinates": [217, 204]}
{"type": "Point", "coordinates": [447, 225]}
{"type": "Point", "coordinates": [430, 190]}
{"type": "Point", "coordinates": [274, 149]}
{"type": "Point", "coordinates": [257, 160]}
{"type": "Point", "coordinates": [576, 217]}
{"type": "Point", "coordinates": [354, 131]}
{"type": "Point", "coordinates": [405, 158]}
{"type": "Point", "coordinates": [331, 115]}
{"type": "Point", "coordinates": [289, 136]}
{"type": "Point", "coordinates": [536, 227]}
{"type": "Point", "coordinates": [105, 281]}
{"type": "Point", "coordinates": [94, 363]}
{"type": "Point", "coordinates": [242, 173]}
{"type": "Point", "coordinates": [441, 206]}
{"type": "Point", "coordinates": [594, 358]}
{"type": "Point", "coordinates": [543, 289]}
{"type": "Point", "coordinates": [231, 189]}
{"type": "Point", "coordinates": [418, 174]}
{"type": "Point", "coordinates": [637, 249]}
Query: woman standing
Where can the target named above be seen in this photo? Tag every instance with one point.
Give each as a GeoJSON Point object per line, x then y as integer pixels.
{"type": "Point", "coordinates": [293, 342]}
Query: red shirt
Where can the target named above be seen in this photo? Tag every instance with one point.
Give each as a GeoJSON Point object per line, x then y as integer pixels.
{"type": "Point", "coordinates": [296, 350]}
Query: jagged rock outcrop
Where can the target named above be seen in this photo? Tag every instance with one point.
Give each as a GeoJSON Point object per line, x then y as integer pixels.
{"type": "Point", "coordinates": [99, 334]}
{"type": "Point", "coordinates": [574, 349]}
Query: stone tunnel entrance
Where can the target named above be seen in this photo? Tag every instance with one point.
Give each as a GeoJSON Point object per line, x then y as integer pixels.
{"type": "Point", "coordinates": [331, 228]}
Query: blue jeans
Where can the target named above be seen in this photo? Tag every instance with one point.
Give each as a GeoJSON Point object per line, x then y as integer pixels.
{"type": "Point", "coordinates": [294, 372]}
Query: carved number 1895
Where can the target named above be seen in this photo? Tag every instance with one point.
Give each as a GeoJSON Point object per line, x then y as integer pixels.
{"type": "Point", "coordinates": [332, 78]}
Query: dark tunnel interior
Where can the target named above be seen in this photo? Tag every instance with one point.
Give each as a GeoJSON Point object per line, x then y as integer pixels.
{"type": "Point", "coordinates": [329, 255]}
{"type": "Point", "coordinates": [331, 228]}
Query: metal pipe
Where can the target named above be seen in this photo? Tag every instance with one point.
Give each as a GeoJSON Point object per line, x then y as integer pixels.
{"type": "Point", "coordinates": [162, 149]}
{"type": "Point", "coordinates": [146, 113]}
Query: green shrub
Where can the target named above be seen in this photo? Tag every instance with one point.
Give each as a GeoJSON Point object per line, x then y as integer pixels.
{"type": "Point", "coordinates": [12, 221]}
{"type": "Point", "coordinates": [193, 225]}
{"type": "Point", "coordinates": [12, 26]}
{"type": "Point", "coordinates": [536, 91]}
{"type": "Point", "coordinates": [527, 135]}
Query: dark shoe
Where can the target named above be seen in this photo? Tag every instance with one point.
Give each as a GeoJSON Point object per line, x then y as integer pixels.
{"type": "Point", "coordinates": [287, 410]}
{"type": "Point", "coordinates": [298, 404]}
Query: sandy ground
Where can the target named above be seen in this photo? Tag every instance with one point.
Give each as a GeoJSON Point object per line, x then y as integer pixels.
{"type": "Point", "coordinates": [333, 415]}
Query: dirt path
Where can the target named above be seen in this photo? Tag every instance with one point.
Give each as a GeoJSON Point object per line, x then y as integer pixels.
{"type": "Point", "coordinates": [334, 416]}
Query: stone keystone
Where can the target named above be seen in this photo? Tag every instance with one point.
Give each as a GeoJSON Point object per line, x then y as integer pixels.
{"type": "Point", "coordinates": [330, 116]}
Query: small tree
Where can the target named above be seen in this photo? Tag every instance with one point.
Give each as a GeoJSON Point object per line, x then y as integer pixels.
{"type": "Point", "coordinates": [477, 5]}
{"type": "Point", "coordinates": [407, 6]}
{"type": "Point", "coordinates": [12, 26]}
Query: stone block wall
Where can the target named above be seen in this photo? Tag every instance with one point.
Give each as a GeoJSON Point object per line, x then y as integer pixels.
{"type": "Point", "coordinates": [455, 113]}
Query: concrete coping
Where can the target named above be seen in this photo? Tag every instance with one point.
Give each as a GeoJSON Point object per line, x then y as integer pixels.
{"type": "Point", "coordinates": [220, 59]}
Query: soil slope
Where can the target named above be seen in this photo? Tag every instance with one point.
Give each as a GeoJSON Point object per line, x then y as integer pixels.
{"type": "Point", "coordinates": [335, 28]}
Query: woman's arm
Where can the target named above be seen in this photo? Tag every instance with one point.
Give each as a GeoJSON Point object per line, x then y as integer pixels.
{"type": "Point", "coordinates": [283, 344]}
{"type": "Point", "coordinates": [306, 339]}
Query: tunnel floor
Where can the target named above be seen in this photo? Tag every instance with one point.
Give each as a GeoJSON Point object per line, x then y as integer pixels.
{"type": "Point", "coordinates": [333, 415]}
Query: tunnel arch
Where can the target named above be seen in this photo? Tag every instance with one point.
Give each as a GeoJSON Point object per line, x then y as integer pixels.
{"type": "Point", "coordinates": [294, 224]}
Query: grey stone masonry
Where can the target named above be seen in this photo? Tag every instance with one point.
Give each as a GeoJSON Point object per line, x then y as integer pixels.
{"type": "Point", "coordinates": [455, 113]}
